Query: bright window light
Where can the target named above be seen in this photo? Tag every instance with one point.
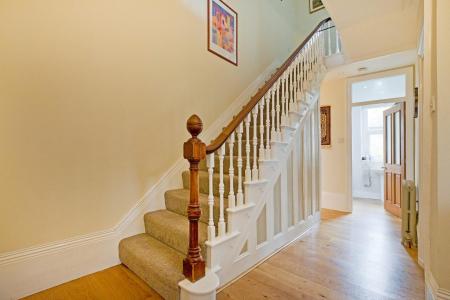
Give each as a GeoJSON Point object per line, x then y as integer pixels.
{"type": "Point", "coordinates": [378, 89]}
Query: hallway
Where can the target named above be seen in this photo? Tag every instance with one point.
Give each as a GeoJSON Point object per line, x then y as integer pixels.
{"type": "Point", "coordinates": [349, 256]}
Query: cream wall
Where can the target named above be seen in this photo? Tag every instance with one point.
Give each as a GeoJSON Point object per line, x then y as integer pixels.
{"type": "Point", "coordinates": [94, 96]}
{"type": "Point", "coordinates": [435, 149]}
{"type": "Point", "coordinates": [440, 209]}
{"type": "Point", "coordinates": [334, 165]}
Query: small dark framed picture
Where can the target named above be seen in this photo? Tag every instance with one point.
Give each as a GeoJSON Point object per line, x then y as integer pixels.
{"type": "Point", "coordinates": [325, 125]}
{"type": "Point", "coordinates": [315, 5]}
{"type": "Point", "coordinates": [223, 31]}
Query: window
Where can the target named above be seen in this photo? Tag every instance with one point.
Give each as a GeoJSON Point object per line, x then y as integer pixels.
{"type": "Point", "coordinates": [372, 131]}
{"type": "Point", "coordinates": [379, 89]}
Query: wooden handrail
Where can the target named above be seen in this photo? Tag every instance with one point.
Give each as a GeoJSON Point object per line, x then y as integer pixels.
{"type": "Point", "coordinates": [227, 131]}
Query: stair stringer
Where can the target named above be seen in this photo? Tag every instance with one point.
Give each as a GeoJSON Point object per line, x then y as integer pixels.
{"type": "Point", "coordinates": [224, 254]}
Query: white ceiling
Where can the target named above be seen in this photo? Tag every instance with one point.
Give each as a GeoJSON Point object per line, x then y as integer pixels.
{"type": "Point", "coordinates": [372, 28]}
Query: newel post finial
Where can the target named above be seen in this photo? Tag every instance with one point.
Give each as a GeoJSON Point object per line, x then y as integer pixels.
{"type": "Point", "coordinates": [194, 125]}
{"type": "Point", "coordinates": [194, 151]}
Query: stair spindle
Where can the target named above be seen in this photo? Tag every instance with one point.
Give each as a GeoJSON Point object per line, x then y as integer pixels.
{"type": "Point", "coordinates": [255, 143]}
{"type": "Point", "coordinates": [240, 194]}
{"type": "Point", "coordinates": [262, 150]}
{"type": "Point", "coordinates": [273, 133]}
{"type": "Point", "coordinates": [278, 121]}
{"type": "Point", "coordinates": [292, 91]}
{"type": "Point", "coordinates": [329, 40]}
{"type": "Point", "coordinates": [338, 46]}
{"type": "Point", "coordinates": [283, 100]}
{"type": "Point", "coordinates": [211, 227]}
{"type": "Point", "coordinates": [268, 152]}
{"type": "Point", "coordinates": [222, 227]}
{"type": "Point", "coordinates": [248, 172]}
{"type": "Point", "coordinates": [231, 196]}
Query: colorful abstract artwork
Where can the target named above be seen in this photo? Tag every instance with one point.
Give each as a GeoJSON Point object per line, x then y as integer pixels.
{"type": "Point", "coordinates": [315, 5]}
{"type": "Point", "coordinates": [222, 30]}
{"type": "Point", "coordinates": [325, 125]}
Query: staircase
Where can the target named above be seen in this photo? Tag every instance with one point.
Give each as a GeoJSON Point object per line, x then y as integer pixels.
{"type": "Point", "coordinates": [256, 185]}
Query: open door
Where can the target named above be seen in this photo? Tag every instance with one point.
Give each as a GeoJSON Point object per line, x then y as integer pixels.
{"type": "Point", "coordinates": [394, 157]}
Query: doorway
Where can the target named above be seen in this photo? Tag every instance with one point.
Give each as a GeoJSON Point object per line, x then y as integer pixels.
{"type": "Point", "coordinates": [367, 151]}
{"type": "Point", "coordinates": [381, 109]}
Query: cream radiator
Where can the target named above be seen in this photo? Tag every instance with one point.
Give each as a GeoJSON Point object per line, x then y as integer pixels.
{"type": "Point", "coordinates": [409, 214]}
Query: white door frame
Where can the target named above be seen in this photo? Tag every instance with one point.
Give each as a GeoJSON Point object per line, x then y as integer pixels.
{"type": "Point", "coordinates": [409, 121]}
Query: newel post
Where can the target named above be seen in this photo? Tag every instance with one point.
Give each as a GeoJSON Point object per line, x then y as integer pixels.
{"type": "Point", "coordinates": [194, 151]}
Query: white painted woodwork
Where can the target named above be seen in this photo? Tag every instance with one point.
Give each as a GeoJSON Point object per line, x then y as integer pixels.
{"type": "Point", "coordinates": [268, 131]}
{"type": "Point", "coordinates": [255, 143]}
{"type": "Point", "coordinates": [222, 226]}
{"type": "Point", "coordinates": [262, 150]}
{"type": "Point", "coordinates": [240, 194]}
{"type": "Point", "coordinates": [248, 172]}
{"type": "Point", "coordinates": [211, 226]}
{"type": "Point", "coordinates": [231, 196]}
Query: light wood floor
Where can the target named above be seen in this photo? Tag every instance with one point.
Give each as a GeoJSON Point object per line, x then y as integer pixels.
{"type": "Point", "coordinates": [348, 256]}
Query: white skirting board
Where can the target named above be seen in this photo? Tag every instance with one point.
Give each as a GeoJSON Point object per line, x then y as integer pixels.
{"type": "Point", "coordinates": [31, 270]}
{"type": "Point", "coordinates": [335, 201]}
{"type": "Point", "coordinates": [432, 289]}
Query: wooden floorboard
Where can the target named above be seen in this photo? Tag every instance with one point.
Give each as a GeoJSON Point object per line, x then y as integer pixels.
{"type": "Point", "coordinates": [114, 283]}
{"type": "Point", "coordinates": [347, 256]}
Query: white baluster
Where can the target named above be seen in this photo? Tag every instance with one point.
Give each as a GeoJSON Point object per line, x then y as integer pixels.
{"type": "Point", "coordinates": [240, 194]}
{"type": "Point", "coordinates": [268, 95]}
{"type": "Point", "coordinates": [302, 70]}
{"type": "Point", "coordinates": [314, 52]}
{"type": "Point", "coordinates": [308, 62]}
{"type": "Point", "coordinates": [222, 226]}
{"type": "Point", "coordinates": [255, 143]}
{"type": "Point", "coordinates": [283, 100]}
{"type": "Point", "coordinates": [338, 46]}
{"type": "Point", "coordinates": [261, 129]}
{"type": "Point", "coordinates": [278, 113]}
{"type": "Point", "coordinates": [288, 95]}
{"type": "Point", "coordinates": [211, 227]}
{"type": "Point", "coordinates": [273, 132]}
{"type": "Point", "coordinates": [292, 90]}
{"type": "Point", "coordinates": [231, 196]}
{"type": "Point", "coordinates": [329, 39]}
{"type": "Point", "coordinates": [296, 78]}
{"type": "Point", "coordinates": [248, 172]}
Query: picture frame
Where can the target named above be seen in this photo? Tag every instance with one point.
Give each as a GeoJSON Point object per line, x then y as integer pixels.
{"type": "Point", "coordinates": [315, 5]}
{"type": "Point", "coordinates": [325, 125]}
{"type": "Point", "coordinates": [223, 31]}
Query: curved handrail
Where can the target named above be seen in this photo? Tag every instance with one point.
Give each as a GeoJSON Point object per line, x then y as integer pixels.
{"type": "Point", "coordinates": [227, 131]}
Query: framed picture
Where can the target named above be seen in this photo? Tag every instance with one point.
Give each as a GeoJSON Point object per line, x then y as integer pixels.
{"type": "Point", "coordinates": [325, 125]}
{"type": "Point", "coordinates": [223, 31]}
{"type": "Point", "coordinates": [315, 5]}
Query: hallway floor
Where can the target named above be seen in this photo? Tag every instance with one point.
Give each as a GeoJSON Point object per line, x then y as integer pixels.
{"type": "Point", "coordinates": [349, 256]}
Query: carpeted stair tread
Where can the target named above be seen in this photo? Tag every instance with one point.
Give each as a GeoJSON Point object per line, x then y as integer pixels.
{"type": "Point", "coordinates": [204, 182]}
{"type": "Point", "coordinates": [157, 264]}
{"type": "Point", "coordinates": [177, 201]}
{"type": "Point", "coordinates": [173, 230]}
